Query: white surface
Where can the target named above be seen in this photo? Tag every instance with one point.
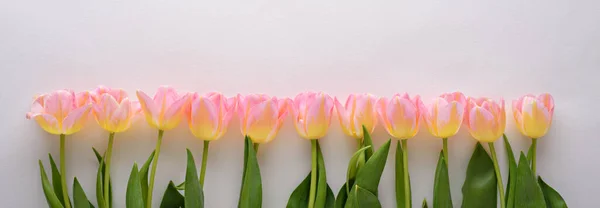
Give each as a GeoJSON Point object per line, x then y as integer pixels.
{"type": "Point", "coordinates": [500, 48]}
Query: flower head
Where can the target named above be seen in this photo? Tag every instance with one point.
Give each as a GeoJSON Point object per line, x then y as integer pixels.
{"type": "Point", "coordinates": [261, 116]}
{"type": "Point", "coordinates": [112, 109]}
{"type": "Point", "coordinates": [165, 110]}
{"type": "Point", "coordinates": [445, 115]}
{"type": "Point", "coordinates": [358, 111]}
{"type": "Point", "coordinates": [400, 115]}
{"type": "Point", "coordinates": [533, 115]}
{"type": "Point", "coordinates": [61, 111]}
{"type": "Point", "coordinates": [312, 114]}
{"type": "Point", "coordinates": [209, 115]}
{"type": "Point", "coordinates": [485, 119]}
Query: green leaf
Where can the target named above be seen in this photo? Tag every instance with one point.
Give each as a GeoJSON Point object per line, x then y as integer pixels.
{"type": "Point", "coordinates": [353, 167]}
{"type": "Point", "coordinates": [194, 197]}
{"type": "Point", "coordinates": [99, 186]}
{"type": "Point", "coordinates": [362, 198]}
{"type": "Point", "coordinates": [527, 191]}
{"type": "Point", "coordinates": [246, 146]}
{"type": "Point", "coordinates": [101, 168]}
{"type": "Point", "coordinates": [144, 176]}
{"type": "Point", "coordinates": [51, 198]}
{"type": "Point", "coordinates": [480, 187]}
{"type": "Point", "coordinates": [441, 186]}
{"type": "Point", "coordinates": [56, 181]}
{"type": "Point", "coordinates": [133, 196]}
{"type": "Point", "coordinates": [321, 195]}
{"type": "Point", "coordinates": [98, 155]}
{"type": "Point", "coordinates": [367, 141]}
{"type": "Point", "coordinates": [530, 154]}
{"type": "Point", "coordinates": [512, 174]}
{"type": "Point", "coordinates": [369, 175]}
{"type": "Point", "coordinates": [400, 193]}
{"type": "Point", "coordinates": [552, 197]}
{"type": "Point", "coordinates": [330, 201]}
{"type": "Point", "coordinates": [299, 197]}
{"type": "Point", "coordinates": [424, 204]}
{"type": "Point", "coordinates": [342, 197]}
{"type": "Point", "coordinates": [172, 198]}
{"type": "Point", "coordinates": [80, 200]}
{"type": "Point", "coordinates": [251, 195]}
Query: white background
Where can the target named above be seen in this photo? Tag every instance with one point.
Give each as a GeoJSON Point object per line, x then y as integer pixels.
{"type": "Point", "coordinates": [497, 49]}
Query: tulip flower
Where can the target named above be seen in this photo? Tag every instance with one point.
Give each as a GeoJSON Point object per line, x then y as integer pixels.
{"type": "Point", "coordinates": [445, 116]}
{"type": "Point", "coordinates": [208, 118]}
{"type": "Point", "coordinates": [163, 112]}
{"type": "Point", "coordinates": [400, 116]}
{"type": "Point", "coordinates": [486, 120]}
{"type": "Point", "coordinates": [312, 116]}
{"type": "Point", "coordinates": [261, 116]}
{"type": "Point", "coordinates": [358, 111]}
{"type": "Point", "coordinates": [533, 116]}
{"type": "Point", "coordinates": [114, 112]}
{"type": "Point", "coordinates": [61, 112]}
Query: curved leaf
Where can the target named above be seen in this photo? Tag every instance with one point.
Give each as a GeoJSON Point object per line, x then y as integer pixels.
{"type": "Point", "coordinates": [480, 187]}
{"type": "Point", "coordinates": [133, 196]}
{"type": "Point", "coordinates": [51, 198]}
{"type": "Point", "coordinates": [321, 195]}
{"type": "Point", "coordinates": [80, 200]}
{"type": "Point", "coordinates": [99, 186]}
{"type": "Point", "coordinates": [251, 194]}
{"type": "Point", "coordinates": [367, 141]}
{"type": "Point", "coordinates": [362, 198]}
{"type": "Point", "coordinates": [194, 197]}
{"type": "Point", "coordinates": [299, 197]}
{"type": "Point", "coordinates": [552, 197]}
{"type": "Point", "coordinates": [353, 166]}
{"type": "Point", "coordinates": [330, 201]}
{"type": "Point", "coordinates": [512, 174]}
{"type": "Point", "coordinates": [441, 186]}
{"type": "Point", "coordinates": [527, 191]}
{"type": "Point", "coordinates": [400, 192]}
{"type": "Point", "coordinates": [56, 181]}
{"type": "Point", "coordinates": [144, 176]}
{"type": "Point", "coordinates": [172, 198]}
{"type": "Point", "coordinates": [368, 177]}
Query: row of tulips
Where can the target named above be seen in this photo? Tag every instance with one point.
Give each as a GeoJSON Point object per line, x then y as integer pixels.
{"type": "Point", "coordinates": [65, 112]}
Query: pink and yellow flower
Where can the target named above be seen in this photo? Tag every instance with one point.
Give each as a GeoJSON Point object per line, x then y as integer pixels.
{"type": "Point", "coordinates": [165, 110]}
{"type": "Point", "coordinates": [113, 110]}
{"type": "Point", "coordinates": [485, 119]}
{"type": "Point", "coordinates": [400, 115]}
{"type": "Point", "coordinates": [312, 114]}
{"type": "Point", "coordinates": [445, 115]}
{"type": "Point", "coordinates": [533, 115]}
{"type": "Point", "coordinates": [209, 115]}
{"type": "Point", "coordinates": [261, 116]}
{"type": "Point", "coordinates": [61, 111]}
{"type": "Point", "coordinates": [358, 111]}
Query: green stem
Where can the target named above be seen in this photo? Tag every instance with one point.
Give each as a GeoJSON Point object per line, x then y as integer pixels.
{"type": "Point", "coordinates": [533, 149]}
{"type": "Point", "coordinates": [313, 175]}
{"type": "Point", "coordinates": [498, 176]}
{"type": "Point", "coordinates": [204, 161]}
{"type": "Point", "coordinates": [153, 171]}
{"type": "Point", "coordinates": [445, 150]}
{"type": "Point", "coordinates": [111, 138]}
{"type": "Point", "coordinates": [406, 178]}
{"type": "Point", "coordinates": [63, 171]}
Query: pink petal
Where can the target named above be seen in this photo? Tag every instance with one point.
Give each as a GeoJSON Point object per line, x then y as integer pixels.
{"type": "Point", "coordinates": [75, 120]}
{"type": "Point", "coordinates": [147, 105]}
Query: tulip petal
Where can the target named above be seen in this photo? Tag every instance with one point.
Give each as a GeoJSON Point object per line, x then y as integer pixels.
{"type": "Point", "coordinates": [343, 116]}
{"type": "Point", "coordinates": [174, 113]}
{"type": "Point", "coordinates": [261, 120]}
{"type": "Point", "coordinates": [48, 123]}
{"type": "Point", "coordinates": [75, 120]}
{"type": "Point", "coordinates": [149, 108]}
{"type": "Point", "coordinates": [316, 119]}
{"type": "Point", "coordinates": [204, 120]}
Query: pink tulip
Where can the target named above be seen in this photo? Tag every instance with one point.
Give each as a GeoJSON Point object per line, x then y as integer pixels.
{"type": "Point", "coordinates": [485, 119]}
{"type": "Point", "coordinates": [400, 115]}
{"type": "Point", "coordinates": [209, 115]}
{"type": "Point", "coordinates": [261, 116]}
{"type": "Point", "coordinates": [445, 115]}
{"type": "Point", "coordinates": [165, 110]}
{"type": "Point", "coordinates": [113, 110]}
{"type": "Point", "coordinates": [61, 111]}
{"type": "Point", "coordinates": [533, 115]}
{"type": "Point", "coordinates": [358, 111]}
{"type": "Point", "coordinates": [312, 114]}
